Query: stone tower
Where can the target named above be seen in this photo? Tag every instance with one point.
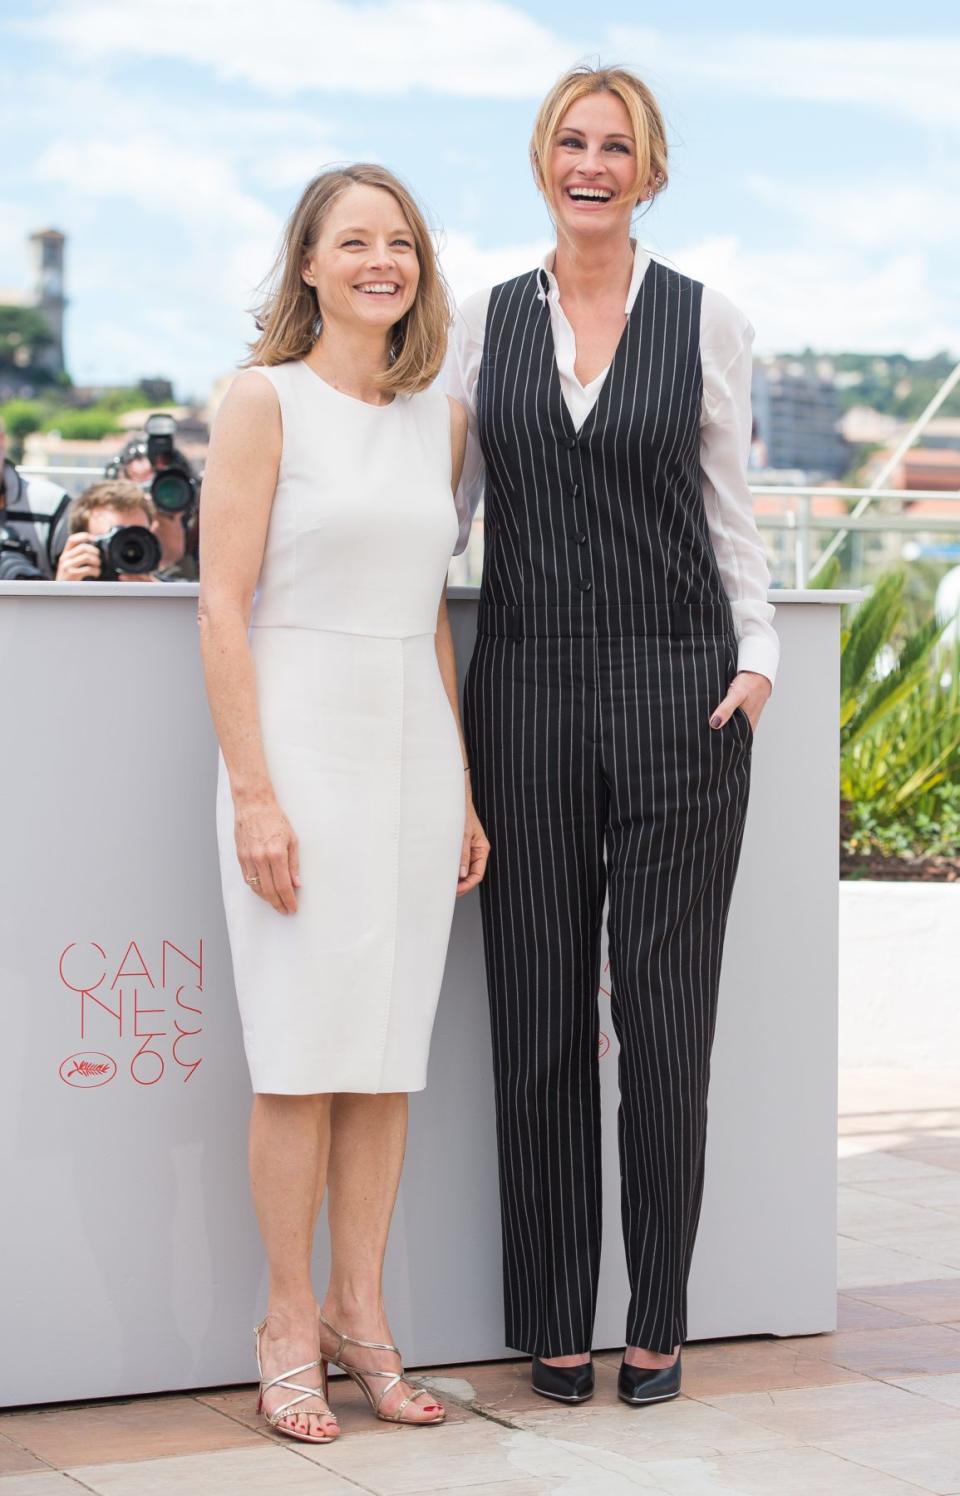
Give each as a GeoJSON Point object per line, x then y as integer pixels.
{"type": "Point", "coordinates": [47, 253]}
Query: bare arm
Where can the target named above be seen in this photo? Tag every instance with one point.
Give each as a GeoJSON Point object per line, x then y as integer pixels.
{"type": "Point", "coordinates": [238, 488]}
{"type": "Point", "coordinates": [476, 848]}
{"type": "Point", "coordinates": [445, 655]}
{"type": "Point", "coordinates": [447, 661]}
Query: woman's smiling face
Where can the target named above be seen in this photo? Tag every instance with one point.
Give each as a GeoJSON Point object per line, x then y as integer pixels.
{"type": "Point", "coordinates": [365, 263]}
{"type": "Point", "coordinates": [593, 167]}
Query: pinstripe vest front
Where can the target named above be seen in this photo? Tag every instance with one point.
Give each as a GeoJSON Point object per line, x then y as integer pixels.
{"type": "Point", "coordinates": [610, 517]}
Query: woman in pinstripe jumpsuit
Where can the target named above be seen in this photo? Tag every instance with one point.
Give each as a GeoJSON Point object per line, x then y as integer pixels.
{"type": "Point", "coordinates": [625, 652]}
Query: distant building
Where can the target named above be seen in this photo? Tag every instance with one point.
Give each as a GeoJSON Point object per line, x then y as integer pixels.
{"type": "Point", "coordinates": [942, 432]}
{"type": "Point", "coordinates": [46, 297]}
{"type": "Point", "coordinates": [937, 469]}
{"type": "Point", "coordinates": [47, 252]}
{"type": "Point", "coordinates": [156, 391]}
{"type": "Point", "coordinates": [781, 518]}
{"type": "Point", "coordinates": [48, 451]}
{"type": "Point", "coordinates": [863, 426]}
{"type": "Point", "coordinates": [927, 468]}
{"type": "Point", "coordinates": [796, 417]}
{"type": "Point", "coordinates": [217, 392]}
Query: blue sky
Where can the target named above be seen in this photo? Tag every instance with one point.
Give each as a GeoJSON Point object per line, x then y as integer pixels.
{"type": "Point", "coordinates": [815, 171]}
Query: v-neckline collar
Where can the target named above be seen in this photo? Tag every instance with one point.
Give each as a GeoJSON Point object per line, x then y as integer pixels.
{"type": "Point", "coordinates": [556, 389]}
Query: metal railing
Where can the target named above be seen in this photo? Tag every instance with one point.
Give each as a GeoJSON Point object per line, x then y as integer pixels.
{"type": "Point", "coordinates": [796, 519]}
{"type": "Point", "coordinates": [802, 524]}
{"type": "Point", "coordinates": [32, 470]}
{"type": "Point", "coordinates": [876, 488]}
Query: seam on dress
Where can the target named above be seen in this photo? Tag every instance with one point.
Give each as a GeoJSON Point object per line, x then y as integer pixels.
{"type": "Point", "coordinates": [395, 851]}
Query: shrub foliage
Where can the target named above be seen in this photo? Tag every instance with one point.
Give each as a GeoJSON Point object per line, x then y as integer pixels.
{"type": "Point", "coordinates": [899, 731]}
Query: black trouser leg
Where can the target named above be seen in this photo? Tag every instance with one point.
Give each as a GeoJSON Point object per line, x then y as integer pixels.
{"type": "Point", "coordinates": [679, 794]}
{"type": "Point", "coordinates": [530, 718]}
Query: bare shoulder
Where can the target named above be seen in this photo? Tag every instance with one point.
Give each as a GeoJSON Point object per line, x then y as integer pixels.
{"type": "Point", "coordinates": [251, 392]}
{"type": "Point", "coordinates": [249, 414]}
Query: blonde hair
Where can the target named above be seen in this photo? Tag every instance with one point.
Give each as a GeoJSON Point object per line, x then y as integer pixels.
{"type": "Point", "coordinates": [649, 132]}
{"type": "Point", "coordinates": [287, 317]}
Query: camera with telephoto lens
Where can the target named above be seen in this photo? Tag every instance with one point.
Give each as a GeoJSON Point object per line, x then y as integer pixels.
{"type": "Point", "coordinates": [131, 549]}
{"type": "Point", "coordinates": [173, 488]}
{"type": "Point", "coordinates": [18, 559]}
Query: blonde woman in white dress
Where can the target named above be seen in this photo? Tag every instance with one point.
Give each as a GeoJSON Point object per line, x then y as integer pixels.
{"type": "Point", "coordinates": [345, 819]}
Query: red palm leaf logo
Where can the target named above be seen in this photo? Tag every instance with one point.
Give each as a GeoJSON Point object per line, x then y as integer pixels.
{"type": "Point", "coordinates": [88, 1070]}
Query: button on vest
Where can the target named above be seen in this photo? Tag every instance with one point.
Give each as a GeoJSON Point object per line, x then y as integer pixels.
{"type": "Point", "coordinates": [619, 499]}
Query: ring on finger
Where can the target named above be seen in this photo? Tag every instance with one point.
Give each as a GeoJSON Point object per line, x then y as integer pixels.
{"type": "Point", "coordinates": [253, 878]}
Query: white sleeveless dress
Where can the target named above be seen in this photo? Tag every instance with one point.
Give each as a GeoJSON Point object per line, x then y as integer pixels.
{"type": "Point", "coordinates": [360, 743]}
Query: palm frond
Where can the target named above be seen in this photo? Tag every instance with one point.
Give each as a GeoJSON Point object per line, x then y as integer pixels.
{"type": "Point", "coordinates": [900, 727]}
{"type": "Point", "coordinates": [828, 576]}
{"type": "Point", "coordinates": [892, 688]}
{"type": "Point", "coordinates": [871, 627]}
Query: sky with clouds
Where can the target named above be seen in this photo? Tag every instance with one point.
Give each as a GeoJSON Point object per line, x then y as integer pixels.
{"type": "Point", "coordinates": [815, 171]}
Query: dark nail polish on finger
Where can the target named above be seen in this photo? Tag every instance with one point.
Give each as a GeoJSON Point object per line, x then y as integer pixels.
{"type": "Point", "coordinates": [715, 720]}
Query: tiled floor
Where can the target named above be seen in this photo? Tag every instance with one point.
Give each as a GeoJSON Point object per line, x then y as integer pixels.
{"type": "Point", "coordinates": [872, 1410]}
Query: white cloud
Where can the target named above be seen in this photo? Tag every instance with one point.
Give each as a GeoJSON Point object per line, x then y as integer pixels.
{"type": "Point", "coordinates": [827, 297]}
{"type": "Point", "coordinates": [477, 48]}
{"type": "Point", "coordinates": [906, 75]}
{"type": "Point", "coordinates": [857, 267]}
{"type": "Point", "coordinates": [863, 267]}
{"type": "Point", "coordinates": [227, 229]}
{"type": "Point", "coordinates": [203, 243]}
{"type": "Point", "coordinates": [15, 225]}
{"type": "Point", "coordinates": [293, 166]}
{"type": "Point", "coordinates": [167, 334]}
{"type": "Point", "coordinates": [874, 213]}
{"type": "Point", "coordinates": [469, 268]}
{"type": "Point", "coordinates": [138, 171]}
{"type": "Point", "coordinates": [171, 341]}
{"type": "Point", "coordinates": [494, 49]}
{"type": "Point", "coordinates": [202, 170]}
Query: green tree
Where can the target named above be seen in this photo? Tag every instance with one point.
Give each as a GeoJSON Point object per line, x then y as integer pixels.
{"type": "Point", "coordinates": [127, 397]}
{"type": "Point", "coordinates": [24, 335]}
{"type": "Point", "coordinates": [20, 417]}
{"type": "Point", "coordinates": [82, 425]}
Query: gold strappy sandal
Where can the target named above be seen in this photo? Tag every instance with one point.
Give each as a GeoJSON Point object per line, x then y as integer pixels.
{"type": "Point", "coordinates": [392, 1379]}
{"type": "Point", "coordinates": [305, 1393]}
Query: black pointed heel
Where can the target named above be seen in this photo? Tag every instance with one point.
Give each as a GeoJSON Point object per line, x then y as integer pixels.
{"type": "Point", "coordinates": [637, 1385]}
{"type": "Point", "coordinates": [569, 1384]}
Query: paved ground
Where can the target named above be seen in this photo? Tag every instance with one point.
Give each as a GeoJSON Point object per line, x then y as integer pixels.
{"type": "Point", "coordinates": [873, 1410]}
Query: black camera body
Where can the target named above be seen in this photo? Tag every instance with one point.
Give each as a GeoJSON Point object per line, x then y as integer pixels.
{"type": "Point", "coordinates": [173, 488]}
{"type": "Point", "coordinates": [131, 549]}
{"type": "Point", "coordinates": [18, 558]}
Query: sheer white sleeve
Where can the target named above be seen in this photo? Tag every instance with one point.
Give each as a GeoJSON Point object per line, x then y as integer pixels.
{"type": "Point", "coordinates": [726, 338]}
{"type": "Point", "coordinates": [460, 373]}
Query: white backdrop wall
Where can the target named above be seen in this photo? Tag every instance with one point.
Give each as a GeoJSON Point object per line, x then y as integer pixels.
{"type": "Point", "coordinates": [130, 1257]}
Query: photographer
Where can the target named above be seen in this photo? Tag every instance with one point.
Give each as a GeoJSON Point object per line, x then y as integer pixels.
{"type": "Point", "coordinates": [112, 524]}
{"type": "Point", "coordinates": [160, 468]}
{"type": "Point", "coordinates": [29, 509]}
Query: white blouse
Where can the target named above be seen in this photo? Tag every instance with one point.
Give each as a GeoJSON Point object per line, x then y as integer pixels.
{"type": "Point", "coordinates": [725, 430]}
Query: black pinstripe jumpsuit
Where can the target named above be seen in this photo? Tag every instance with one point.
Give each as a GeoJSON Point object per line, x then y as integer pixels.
{"type": "Point", "coordinates": [605, 638]}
